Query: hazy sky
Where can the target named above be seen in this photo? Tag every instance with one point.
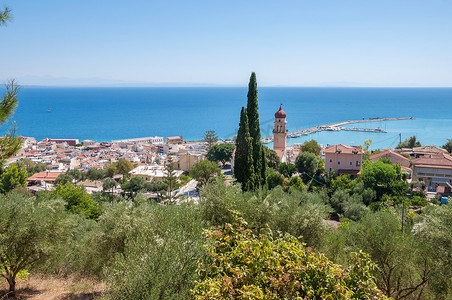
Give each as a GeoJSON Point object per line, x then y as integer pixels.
{"type": "Point", "coordinates": [290, 43]}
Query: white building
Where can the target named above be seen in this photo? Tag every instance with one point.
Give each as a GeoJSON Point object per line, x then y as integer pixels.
{"type": "Point", "coordinates": [143, 140]}
{"type": "Point", "coordinates": [152, 173]}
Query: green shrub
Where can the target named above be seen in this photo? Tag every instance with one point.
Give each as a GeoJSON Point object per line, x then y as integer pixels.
{"type": "Point", "coordinates": [160, 258]}
{"type": "Point", "coordinates": [418, 201]}
{"type": "Point", "coordinates": [243, 266]}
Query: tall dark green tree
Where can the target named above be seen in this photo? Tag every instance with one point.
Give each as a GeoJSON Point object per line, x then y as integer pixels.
{"type": "Point", "coordinates": [244, 169]}
{"type": "Point", "coordinates": [255, 130]}
{"type": "Point", "coordinates": [264, 166]}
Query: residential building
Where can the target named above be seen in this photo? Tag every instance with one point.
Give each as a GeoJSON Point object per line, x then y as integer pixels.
{"type": "Point", "coordinates": [45, 176]}
{"type": "Point", "coordinates": [433, 169]}
{"type": "Point", "coordinates": [343, 159]}
{"type": "Point", "coordinates": [89, 143]}
{"type": "Point", "coordinates": [174, 140]}
{"type": "Point", "coordinates": [187, 160]}
{"type": "Point", "coordinates": [418, 152]}
{"type": "Point", "coordinates": [143, 140]}
{"type": "Point", "coordinates": [152, 172]}
{"type": "Point", "coordinates": [394, 157]}
{"type": "Point", "coordinates": [70, 142]}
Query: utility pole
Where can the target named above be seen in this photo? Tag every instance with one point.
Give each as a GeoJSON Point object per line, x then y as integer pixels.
{"type": "Point", "coordinates": [403, 210]}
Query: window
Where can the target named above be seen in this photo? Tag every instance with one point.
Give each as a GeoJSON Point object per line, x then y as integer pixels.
{"type": "Point", "coordinates": [331, 160]}
{"type": "Point", "coordinates": [351, 163]}
{"type": "Point", "coordinates": [338, 162]}
{"type": "Point", "coordinates": [331, 169]}
{"type": "Point", "coordinates": [358, 163]}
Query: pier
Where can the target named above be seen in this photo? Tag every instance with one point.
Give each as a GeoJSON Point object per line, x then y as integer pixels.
{"type": "Point", "coordinates": [338, 127]}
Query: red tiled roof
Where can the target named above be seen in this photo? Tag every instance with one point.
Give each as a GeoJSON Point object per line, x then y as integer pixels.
{"type": "Point", "coordinates": [343, 149]}
{"type": "Point", "coordinates": [439, 160]}
{"type": "Point", "coordinates": [388, 151]}
{"type": "Point", "coordinates": [44, 176]}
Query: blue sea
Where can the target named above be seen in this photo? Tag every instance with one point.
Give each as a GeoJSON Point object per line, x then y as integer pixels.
{"type": "Point", "coordinates": [110, 113]}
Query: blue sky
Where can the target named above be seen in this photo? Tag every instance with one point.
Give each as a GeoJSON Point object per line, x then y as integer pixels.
{"type": "Point", "coordinates": [215, 42]}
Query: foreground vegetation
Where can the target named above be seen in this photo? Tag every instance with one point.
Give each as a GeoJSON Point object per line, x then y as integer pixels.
{"type": "Point", "coordinates": [145, 250]}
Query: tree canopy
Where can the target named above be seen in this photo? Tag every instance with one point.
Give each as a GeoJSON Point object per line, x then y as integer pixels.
{"type": "Point", "coordinates": [311, 146]}
{"type": "Point", "coordinates": [403, 266]}
{"type": "Point", "coordinates": [409, 143]}
{"type": "Point", "coordinates": [210, 138]}
{"type": "Point", "coordinates": [30, 231]}
{"type": "Point", "coordinates": [308, 164]}
{"type": "Point", "coordinates": [287, 169]}
{"type": "Point", "coordinates": [13, 177]}
{"type": "Point", "coordinates": [448, 146]}
{"type": "Point", "coordinates": [272, 158]}
{"type": "Point", "coordinates": [9, 144]}
{"type": "Point", "coordinates": [221, 153]}
{"type": "Point", "coordinates": [244, 168]}
{"type": "Point", "coordinates": [134, 186]}
{"type": "Point", "coordinates": [384, 178]}
{"type": "Point", "coordinates": [77, 200]}
{"type": "Point", "coordinates": [204, 170]}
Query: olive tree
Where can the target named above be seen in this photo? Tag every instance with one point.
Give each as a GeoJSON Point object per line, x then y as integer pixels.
{"type": "Point", "coordinates": [204, 170]}
{"type": "Point", "coordinates": [30, 232]}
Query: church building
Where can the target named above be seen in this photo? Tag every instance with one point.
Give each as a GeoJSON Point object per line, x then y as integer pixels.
{"type": "Point", "coordinates": [280, 134]}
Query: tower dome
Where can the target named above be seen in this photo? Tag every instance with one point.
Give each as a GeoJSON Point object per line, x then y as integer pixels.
{"type": "Point", "coordinates": [280, 114]}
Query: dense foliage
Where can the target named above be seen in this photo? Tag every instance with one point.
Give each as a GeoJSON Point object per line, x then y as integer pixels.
{"type": "Point", "coordinates": [244, 168]}
{"type": "Point", "coordinates": [255, 132]}
{"type": "Point", "coordinates": [244, 266]}
{"type": "Point", "coordinates": [160, 255]}
{"type": "Point", "coordinates": [9, 143]}
{"type": "Point", "coordinates": [272, 158]}
{"type": "Point", "coordinates": [311, 146]}
{"type": "Point", "coordinates": [409, 143]}
{"type": "Point", "coordinates": [204, 170]}
{"type": "Point", "coordinates": [448, 146]}
{"type": "Point", "coordinates": [210, 138]}
{"type": "Point", "coordinates": [221, 153]}
{"type": "Point", "coordinates": [77, 200]}
{"type": "Point", "coordinates": [12, 178]}
{"type": "Point", "coordinates": [30, 232]}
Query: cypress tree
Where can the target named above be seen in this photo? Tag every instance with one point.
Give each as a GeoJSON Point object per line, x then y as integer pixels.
{"type": "Point", "coordinates": [254, 128]}
{"type": "Point", "coordinates": [244, 169]}
{"type": "Point", "coordinates": [264, 167]}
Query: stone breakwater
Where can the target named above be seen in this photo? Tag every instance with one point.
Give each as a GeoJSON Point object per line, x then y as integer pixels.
{"type": "Point", "coordinates": [337, 127]}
